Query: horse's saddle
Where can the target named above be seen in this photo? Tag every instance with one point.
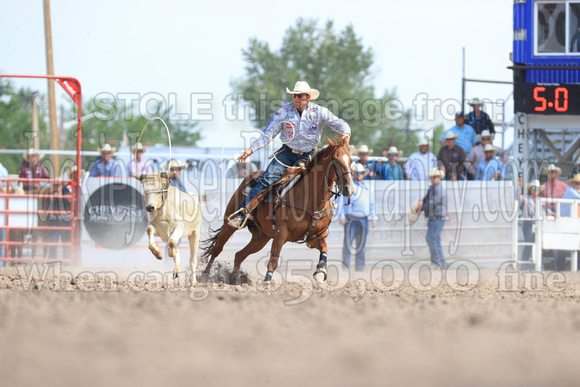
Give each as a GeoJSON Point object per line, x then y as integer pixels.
{"type": "Point", "coordinates": [278, 189]}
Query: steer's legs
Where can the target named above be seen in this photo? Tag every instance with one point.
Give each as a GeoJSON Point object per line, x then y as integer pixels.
{"type": "Point", "coordinates": [173, 250]}
{"type": "Point", "coordinates": [152, 245]}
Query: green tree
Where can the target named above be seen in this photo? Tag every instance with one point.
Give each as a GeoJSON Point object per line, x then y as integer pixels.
{"type": "Point", "coordinates": [338, 65]}
{"type": "Point", "coordinates": [437, 132]}
{"type": "Point", "coordinates": [16, 123]}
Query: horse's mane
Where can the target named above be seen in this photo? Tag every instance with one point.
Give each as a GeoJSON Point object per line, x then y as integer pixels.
{"type": "Point", "coordinates": [324, 153]}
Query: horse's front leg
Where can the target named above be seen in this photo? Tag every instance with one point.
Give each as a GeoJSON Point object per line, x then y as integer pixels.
{"type": "Point", "coordinates": [173, 250]}
{"type": "Point", "coordinates": [277, 244]}
{"type": "Point", "coordinates": [152, 245]}
{"type": "Point", "coordinates": [320, 274]}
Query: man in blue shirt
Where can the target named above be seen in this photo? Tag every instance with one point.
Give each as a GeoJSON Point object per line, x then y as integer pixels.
{"type": "Point", "coordinates": [467, 137]}
{"type": "Point", "coordinates": [374, 170]}
{"type": "Point", "coordinates": [492, 168]}
{"type": "Point", "coordinates": [355, 219]}
{"type": "Point", "coordinates": [106, 166]}
{"type": "Point", "coordinates": [392, 169]}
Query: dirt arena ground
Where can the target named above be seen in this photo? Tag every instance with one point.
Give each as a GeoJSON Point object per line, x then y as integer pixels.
{"type": "Point", "coordinates": [89, 330]}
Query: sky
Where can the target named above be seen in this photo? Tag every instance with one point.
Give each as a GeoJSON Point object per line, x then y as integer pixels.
{"type": "Point", "coordinates": [188, 52]}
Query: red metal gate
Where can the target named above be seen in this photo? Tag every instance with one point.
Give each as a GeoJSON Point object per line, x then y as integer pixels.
{"type": "Point", "coordinates": [31, 224]}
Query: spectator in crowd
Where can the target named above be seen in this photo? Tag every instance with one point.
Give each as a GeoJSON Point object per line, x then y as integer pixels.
{"type": "Point", "coordinates": [55, 203]}
{"type": "Point", "coordinates": [420, 163]}
{"type": "Point", "coordinates": [529, 203]}
{"type": "Point", "coordinates": [576, 168]}
{"type": "Point", "coordinates": [139, 165]}
{"type": "Point", "coordinates": [4, 187]}
{"type": "Point", "coordinates": [355, 219]}
{"type": "Point", "coordinates": [105, 166]}
{"type": "Point", "coordinates": [492, 168]}
{"type": "Point", "coordinates": [176, 166]}
{"type": "Point", "coordinates": [554, 188]}
{"type": "Point", "coordinates": [477, 155]}
{"type": "Point", "coordinates": [393, 171]}
{"type": "Point", "coordinates": [434, 204]}
{"type": "Point", "coordinates": [451, 158]}
{"type": "Point", "coordinates": [32, 169]}
{"type": "Point", "coordinates": [478, 119]}
{"type": "Point", "coordinates": [466, 137]}
{"type": "Point", "coordinates": [375, 171]}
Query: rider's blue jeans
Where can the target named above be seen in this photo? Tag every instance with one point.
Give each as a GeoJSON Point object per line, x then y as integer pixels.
{"type": "Point", "coordinates": [275, 171]}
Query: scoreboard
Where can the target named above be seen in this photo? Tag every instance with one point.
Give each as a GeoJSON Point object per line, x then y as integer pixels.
{"type": "Point", "coordinates": [547, 98]}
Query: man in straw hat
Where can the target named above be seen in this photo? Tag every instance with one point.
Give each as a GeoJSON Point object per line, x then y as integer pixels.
{"type": "Point", "coordinates": [434, 204]}
{"type": "Point", "coordinates": [554, 188]}
{"type": "Point", "coordinates": [477, 154]}
{"type": "Point", "coordinates": [451, 158]}
{"type": "Point", "coordinates": [355, 219]}
{"type": "Point", "coordinates": [375, 171]}
{"type": "Point", "coordinates": [478, 119]}
{"type": "Point", "coordinates": [393, 171]}
{"type": "Point", "coordinates": [139, 165]}
{"type": "Point", "coordinates": [420, 163]}
{"type": "Point", "coordinates": [32, 169]}
{"type": "Point", "coordinates": [492, 168]}
{"type": "Point", "coordinates": [105, 165]}
{"type": "Point", "coordinates": [466, 137]}
{"type": "Point", "coordinates": [176, 166]}
{"type": "Point", "coordinates": [300, 127]}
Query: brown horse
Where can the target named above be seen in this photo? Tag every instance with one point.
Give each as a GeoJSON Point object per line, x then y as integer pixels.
{"type": "Point", "coordinates": [302, 215]}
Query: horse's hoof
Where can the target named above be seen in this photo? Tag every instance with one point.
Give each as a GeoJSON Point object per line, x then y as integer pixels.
{"type": "Point", "coordinates": [175, 275]}
{"type": "Point", "coordinates": [320, 276]}
{"type": "Point", "coordinates": [269, 275]}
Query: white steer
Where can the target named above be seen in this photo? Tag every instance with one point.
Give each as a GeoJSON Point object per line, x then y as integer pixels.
{"type": "Point", "coordinates": [172, 215]}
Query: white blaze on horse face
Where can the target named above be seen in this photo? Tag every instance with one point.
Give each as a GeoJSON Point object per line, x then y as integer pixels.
{"type": "Point", "coordinates": [347, 163]}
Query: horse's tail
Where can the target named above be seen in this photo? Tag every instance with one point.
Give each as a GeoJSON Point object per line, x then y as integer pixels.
{"type": "Point", "coordinates": [208, 244]}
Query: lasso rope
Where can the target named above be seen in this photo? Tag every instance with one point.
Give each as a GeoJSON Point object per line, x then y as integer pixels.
{"type": "Point", "coordinates": [272, 139]}
{"type": "Point", "coordinates": [168, 137]}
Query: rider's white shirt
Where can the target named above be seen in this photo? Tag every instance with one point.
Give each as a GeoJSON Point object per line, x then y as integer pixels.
{"type": "Point", "coordinates": [300, 132]}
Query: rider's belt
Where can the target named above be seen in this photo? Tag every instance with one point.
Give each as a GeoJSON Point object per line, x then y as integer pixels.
{"type": "Point", "coordinates": [299, 152]}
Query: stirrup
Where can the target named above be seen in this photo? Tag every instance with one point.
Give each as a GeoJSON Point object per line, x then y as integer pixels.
{"type": "Point", "coordinates": [233, 216]}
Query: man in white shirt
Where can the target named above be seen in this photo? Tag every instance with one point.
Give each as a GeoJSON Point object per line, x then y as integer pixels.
{"type": "Point", "coordinates": [420, 163]}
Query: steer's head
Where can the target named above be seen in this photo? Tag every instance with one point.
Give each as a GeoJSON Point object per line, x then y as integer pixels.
{"type": "Point", "coordinates": [155, 186]}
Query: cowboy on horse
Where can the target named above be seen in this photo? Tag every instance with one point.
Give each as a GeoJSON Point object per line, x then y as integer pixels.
{"type": "Point", "coordinates": [300, 127]}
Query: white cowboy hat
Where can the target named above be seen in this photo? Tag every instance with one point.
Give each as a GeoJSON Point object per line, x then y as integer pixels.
{"type": "Point", "coordinates": [535, 183]}
{"type": "Point", "coordinates": [423, 141]}
{"type": "Point", "coordinates": [358, 167]}
{"type": "Point", "coordinates": [175, 164]}
{"type": "Point", "coordinates": [364, 149]}
{"type": "Point", "coordinates": [436, 172]}
{"type": "Point", "coordinates": [449, 135]}
{"type": "Point", "coordinates": [302, 87]}
{"type": "Point", "coordinates": [485, 133]}
{"type": "Point", "coordinates": [392, 149]}
{"type": "Point", "coordinates": [107, 148]}
{"type": "Point", "coordinates": [575, 179]}
{"type": "Point", "coordinates": [552, 167]}
{"type": "Point", "coordinates": [475, 101]}
{"type": "Point", "coordinates": [490, 148]}
{"type": "Point", "coordinates": [137, 147]}
{"type": "Point", "coordinates": [31, 152]}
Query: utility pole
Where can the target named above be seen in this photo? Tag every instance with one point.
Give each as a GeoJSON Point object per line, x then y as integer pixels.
{"type": "Point", "coordinates": [35, 121]}
{"type": "Point", "coordinates": [54, 141]}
